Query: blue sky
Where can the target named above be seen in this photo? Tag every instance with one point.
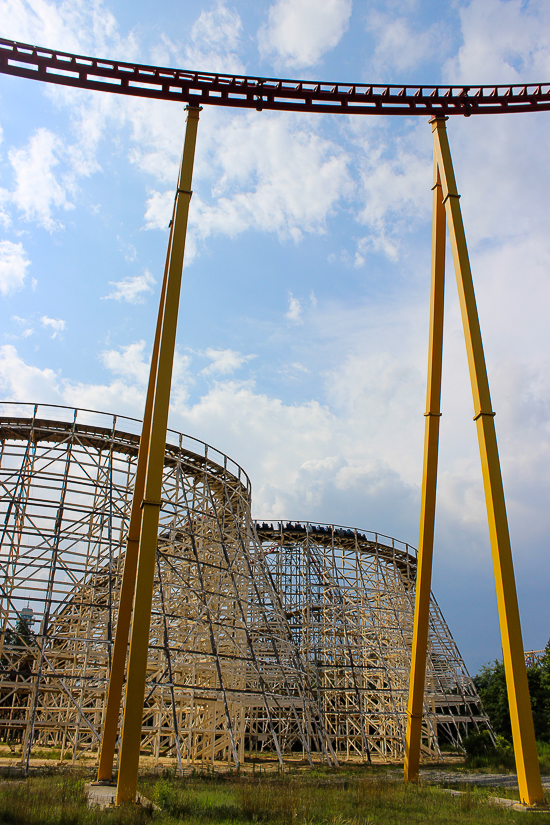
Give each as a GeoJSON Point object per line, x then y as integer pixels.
{"type": "Point", "coordinates": [302, 340]}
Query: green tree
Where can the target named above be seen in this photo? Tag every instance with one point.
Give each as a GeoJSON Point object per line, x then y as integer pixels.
{"type": "Point", "coordinates": [22, 634]}
{"type": "Point", "coordinates": [491, 686]}
{"type": "Point", "coordinates": [539, 688]}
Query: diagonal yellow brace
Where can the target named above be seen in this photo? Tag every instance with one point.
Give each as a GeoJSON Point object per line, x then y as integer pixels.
{"type": "Point", "coordinates": [139, 643]}
{"type": "Point", "coordinates": [120, 648]}
{"type": "Point", "coordinates": [429, 482]}
{"type": "Point", "coordinates": [523, 734]}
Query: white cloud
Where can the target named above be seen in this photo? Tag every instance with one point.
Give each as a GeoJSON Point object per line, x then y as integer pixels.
{"type": "Point", "coordinates": [56, 324]}
{"type": "Point", "coordinates": [294, 312]}
{"type": "Point", "coordinates": [37, 190]}
{"type": "Point", "coordinates": [215, 41]}
{"type": "Point", "coordinates": [117, 396]}
{"type": "Point", "coordinates": [158, 213]}
{"type": "Point", "coordinates": [303, 458]}
{"type": "Point", "coordinates": [23, 382]}
{"type": "Point", "coordinates": [157, 132]}
{"type": "Point", "coordinates": [504, 42]}
{"type": "Point", "coordinates": [46, 170]}
{"type": "Point", "coordinates": [22, 322]}
{"type": "Point", "coordinates": [129, 251]}
{"type": "Point", "coordinates": [395, 179]}
{"type": "Point", "coordinates": [182, 379]}
{"type": "Point", "coordinates": [159, 209]}
{"type": "Point", "coordinates": [399, 47]}
{"type": "Point", "coordinates": [128, 362]}
{"type": "Point", "coordinates": [13, 266]}
{"type": "Point", "coordinates": [377, 242]}
{"type": "Point", "coordinates": [131, 289]}
{"type": "Point", "coordinates": [300, 457]}
{"type": "Point", "coordinates": [124, 394]}
{"type": "Point", "coordinates": [78, 26]}
{"type": "Point", "coordinates": [5, 217]}
{"type": "Point", "coordinates": [224, 361]}
{"type": "Point", "coordinates": [299, 32]}
{"type": "Point", "coordinates": [272, 174]}
{"type": "Point", "coordinates": [212, 45]}
{"type": "Point", "coordinates": [20, 381]}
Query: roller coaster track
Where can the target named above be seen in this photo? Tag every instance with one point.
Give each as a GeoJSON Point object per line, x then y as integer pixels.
{"type": "Point", "coordinates": [332, 535]}
{"type": "Point", "coordinates": [240, 91]}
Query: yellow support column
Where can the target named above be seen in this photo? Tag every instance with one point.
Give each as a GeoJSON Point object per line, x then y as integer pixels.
{"type": "Point", "coordinates": [126, 599]}
{"type": "Point", "coordinates": [429, 483]}
{"type": "Point", "coordinates": [151, 504]}
{"type": "Point", "coordinates": [530, 787]}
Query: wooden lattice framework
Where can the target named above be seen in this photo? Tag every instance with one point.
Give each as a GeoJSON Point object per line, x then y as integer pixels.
{"type": "Point", "coordinates": [349, 597]}
{"type": "Point", "coordinates": [220, 648]}
{"type": "Point", "coordinates": [275, 639]}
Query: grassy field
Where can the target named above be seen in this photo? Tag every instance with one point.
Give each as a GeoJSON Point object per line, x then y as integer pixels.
{"type": "Point", "coordinates": [361, 797]}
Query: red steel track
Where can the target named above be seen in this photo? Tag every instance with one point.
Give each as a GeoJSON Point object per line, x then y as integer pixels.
{"type": "Point", "coordinates": [200, 88]}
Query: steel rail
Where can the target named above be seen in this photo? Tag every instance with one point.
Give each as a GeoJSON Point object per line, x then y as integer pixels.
{"type": "Point", "coordinates": [243, 92]}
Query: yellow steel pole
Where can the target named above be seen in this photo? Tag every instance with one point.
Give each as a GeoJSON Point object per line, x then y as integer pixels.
{"type": "Point", "coordinates": [151, 504]}
{"type": "Point", "coordinates": [523, 733]}
{"type": "Point", "coordinates": [118, 663]}
{"type": "Point", "coordinates": [429, 483]}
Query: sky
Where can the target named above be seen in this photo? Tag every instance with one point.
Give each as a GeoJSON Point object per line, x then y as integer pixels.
{"type": "Point", "coordinates": [303, 327]}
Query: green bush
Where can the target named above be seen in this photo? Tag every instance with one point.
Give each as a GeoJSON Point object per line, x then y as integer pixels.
{"type": "Point", "coordinates": [491, 685]}
{"type": "Point", "coordinates": [164, 794]}
{"type": "Point", "coordinates": [481, 752]}
{"type": "Point", "coordinates": [478, 744]}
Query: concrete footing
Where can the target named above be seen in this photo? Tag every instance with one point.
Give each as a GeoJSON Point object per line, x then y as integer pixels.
{"type": "Point", "coordinates": [103, 795]}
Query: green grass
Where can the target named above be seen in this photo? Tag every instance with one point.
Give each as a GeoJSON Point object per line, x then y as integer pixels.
{"type": "Point", "coordinates": [332, 799]}
{"type": "Point", "coordinates": [501, 760]}
{"type": "Point", "coordinates": [497, 762]}
{"type": "Point", "coordinates": [37, 753]}
{"type": "Point", "coordinates": [49, 800]}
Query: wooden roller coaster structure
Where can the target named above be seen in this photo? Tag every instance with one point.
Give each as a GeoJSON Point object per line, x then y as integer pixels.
{"type": "Point", "coordinates": [439, 103]}
{"type": "Point", "coordinates": [272, 640]}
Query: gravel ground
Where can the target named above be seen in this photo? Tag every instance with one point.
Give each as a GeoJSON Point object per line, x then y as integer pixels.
{"type": "Point", "coordinates": [493, 780]}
